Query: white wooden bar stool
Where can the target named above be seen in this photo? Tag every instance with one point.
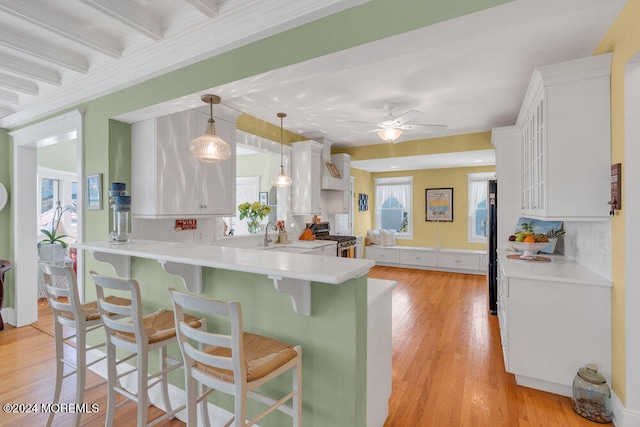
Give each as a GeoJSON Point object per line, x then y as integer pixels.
{"type": "Point", "coordinates": [234, 364]}
{"type": "Point", "coordinates": [139, 335]}
{"type": "Point", "coordinates": [61, 289]}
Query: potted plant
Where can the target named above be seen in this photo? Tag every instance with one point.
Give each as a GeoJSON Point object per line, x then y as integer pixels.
{"type": "Point", "coordinates": [53, 247]}
{"type": "Point", "coordinates": [254, 213]}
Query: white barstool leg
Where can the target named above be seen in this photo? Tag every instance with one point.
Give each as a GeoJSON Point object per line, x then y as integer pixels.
{"type": "Point", "coordinates": [59, 367]}
{"type": "Point", "coordinates": [81, 372]}
{"type": "Point", "coordinates": [143, 392]}
{"type": "Point", "coordinates": [165, 380]}
{"type": "Point", "coordinates": [112, 381]}
{"type": "Point", "coordinates": [297, 386]}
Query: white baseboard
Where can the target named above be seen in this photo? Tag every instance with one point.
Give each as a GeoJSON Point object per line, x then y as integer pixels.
{"type": "Point", "coordinates": [9, 315]}
{"type": "Point", "coordinates": [217, 416]}
{"type": "Point", "coordinates": [561, 389]}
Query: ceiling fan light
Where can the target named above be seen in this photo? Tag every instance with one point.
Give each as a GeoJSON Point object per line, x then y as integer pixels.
{"type": "Point", "coordinates": [389, 134]}
{"type": "Point", "coordinates": [210, 147]}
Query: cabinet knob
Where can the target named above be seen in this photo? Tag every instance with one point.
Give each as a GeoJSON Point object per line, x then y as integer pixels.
{"type": "Point", "coordinates": [458, 260]}
{"type": "Point", "coordinates": [418, 258]}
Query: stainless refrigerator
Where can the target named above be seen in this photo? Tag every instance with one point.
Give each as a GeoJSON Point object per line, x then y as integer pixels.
{"type": "Point", "coordinates": [492, 245]}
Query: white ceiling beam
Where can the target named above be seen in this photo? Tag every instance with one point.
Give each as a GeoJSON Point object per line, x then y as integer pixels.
{"type": "Point", "coordinates": [43, 15]}
{"type": "Point", "coordinates": [206, 7]}
{"type": "Point", "coordinates": [7, 97]}
{"type": "Point", "coordinates": [19, 85]}
{"type": "Point", "coordinates": [22, 41]}
{"type": "Point", "coordinates": [131, 15]}
{"type": "Point", "coordinates": [30, 69]}
{"type": "Point", "coordinates": [5, 110]}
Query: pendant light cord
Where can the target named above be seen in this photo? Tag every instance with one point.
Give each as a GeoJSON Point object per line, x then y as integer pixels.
{"type": "Point", "coordinates": [281, 142]}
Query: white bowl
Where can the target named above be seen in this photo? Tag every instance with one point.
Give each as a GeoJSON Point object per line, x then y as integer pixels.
{"type": "Point", "coordinates": [528, 249]}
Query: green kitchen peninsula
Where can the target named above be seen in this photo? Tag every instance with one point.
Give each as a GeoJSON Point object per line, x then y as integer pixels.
{"type": "Point", "coordinates": [317, 302]}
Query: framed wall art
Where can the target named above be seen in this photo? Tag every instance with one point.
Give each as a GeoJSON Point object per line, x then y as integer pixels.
{"type": "Point", "coordinates": [264, 198]}
{"type": "Point", "coordinates": [439, 204]}
{"type": "Point", "coordinates": [94, 191]}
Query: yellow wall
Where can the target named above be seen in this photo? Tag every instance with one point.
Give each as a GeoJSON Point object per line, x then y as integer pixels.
{"type": "Point", "coordinates": [447, 144]}
{"type": "Point", "coordinates": [254, 125]}
{"type": "Point", "coordinates": [363, 184]}
{"type": "Point", "coordinates": [623, 39]}
{"type": "Point", "coordinates": [452, 235]}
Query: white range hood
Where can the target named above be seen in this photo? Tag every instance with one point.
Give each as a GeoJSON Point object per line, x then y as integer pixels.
{"type": "Point", "coordinates": [340, 162]}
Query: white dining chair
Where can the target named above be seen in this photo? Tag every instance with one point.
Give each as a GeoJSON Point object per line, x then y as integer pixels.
{"type": "Point", "coordinates": [61, 289]}
{"type": "Point", "coordinates": [137, 334]}
{"type": "Point", "coordinates": [234, 364]}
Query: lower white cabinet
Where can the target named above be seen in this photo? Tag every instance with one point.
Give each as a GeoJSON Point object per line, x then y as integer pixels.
{"type": "Point", "coordinates": [458, 260]}
{"type": "Point", "coordinates": [382, 254]}
{"type": "Point", "coordinates": [418, 258]}
{"type": "Point", "coordinates": [554, 318]}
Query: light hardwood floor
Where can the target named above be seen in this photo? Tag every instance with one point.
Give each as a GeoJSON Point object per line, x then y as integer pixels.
{"type": "Point", "coordinates": [447, 364]}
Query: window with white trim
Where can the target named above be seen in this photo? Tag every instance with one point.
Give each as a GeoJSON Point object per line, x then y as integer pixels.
{"type": "Point", "coordinates": [477, 206]}
{"type": "Point", "coordinates": [394, 205]}
{"type": "Point", "coordinates": [57, 186]}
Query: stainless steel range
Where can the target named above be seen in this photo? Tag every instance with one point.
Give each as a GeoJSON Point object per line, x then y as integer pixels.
{"type": "Point", "coordinates": [344, 244]}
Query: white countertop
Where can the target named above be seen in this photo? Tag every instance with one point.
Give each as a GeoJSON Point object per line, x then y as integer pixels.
{"type": "Point", "coordinates": [559, 269]}
{"type": "Point", "coordinates": [271, 262]}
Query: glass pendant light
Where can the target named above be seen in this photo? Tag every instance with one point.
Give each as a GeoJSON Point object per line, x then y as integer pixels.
{"type": "Point", "coordinates": [210, 147]}
{"type": "Point", "coordinates": [281, 180]}
{"type": "Point", "coordinates": [389, 134]}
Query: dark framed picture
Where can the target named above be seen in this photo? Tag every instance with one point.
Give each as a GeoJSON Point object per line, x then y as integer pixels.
{"type": "Point", "coordinates": [264, 198]}
{"type": "Point", "coordinates": [439, 204]}
{"type": "Point", "coordinates": [94, 191]}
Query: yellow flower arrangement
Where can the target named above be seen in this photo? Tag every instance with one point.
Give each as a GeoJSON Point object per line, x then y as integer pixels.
{"type": "Point", "coordinates": [254, 212]}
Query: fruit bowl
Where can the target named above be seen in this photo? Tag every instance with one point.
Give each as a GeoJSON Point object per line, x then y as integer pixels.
{"type": "Point", "coordinates": [528, 249]}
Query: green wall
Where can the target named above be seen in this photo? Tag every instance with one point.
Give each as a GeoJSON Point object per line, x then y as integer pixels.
{"type": "Point", "coordinates": [266, 166]}
{"type": "Point", "coordinates": [60, 156]}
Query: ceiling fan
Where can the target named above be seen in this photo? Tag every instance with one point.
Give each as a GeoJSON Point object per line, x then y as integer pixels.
{"type": "Point", "coordinates": [391, 129]}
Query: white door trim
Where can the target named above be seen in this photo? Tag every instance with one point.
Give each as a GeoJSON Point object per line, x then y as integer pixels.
{"type": "Point", "coordinates": [631, 207]}
{"type": "Point", "coordinates": [25, 143]}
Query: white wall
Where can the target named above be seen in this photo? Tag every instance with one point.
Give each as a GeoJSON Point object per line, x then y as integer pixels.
{"type": "Point", "coordinates": [588, 244]}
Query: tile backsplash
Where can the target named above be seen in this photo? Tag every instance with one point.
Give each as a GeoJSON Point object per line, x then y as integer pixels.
{"type": "Point", "coordinates": [588, 244]}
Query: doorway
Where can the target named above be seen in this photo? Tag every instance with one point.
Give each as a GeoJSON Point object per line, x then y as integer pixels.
{"type": "Point", "coordinates": [26, 141]}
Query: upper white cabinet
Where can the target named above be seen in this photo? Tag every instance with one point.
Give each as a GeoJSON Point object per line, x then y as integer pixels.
{"type": "Point", "coordinates": [306, 160]}
{"type": "Point", "coordinates": [167, 181]}
{"type": "Point", "coordinates": [565, 141]}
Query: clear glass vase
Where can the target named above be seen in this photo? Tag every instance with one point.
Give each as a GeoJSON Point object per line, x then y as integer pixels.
{"type": "Point", "coordinates": [253, 225]}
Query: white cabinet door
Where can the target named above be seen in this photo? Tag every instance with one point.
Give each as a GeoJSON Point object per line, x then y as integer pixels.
{"type": "Point", "coordinates": [306, 157]}
{"type": "Point", "coordinates": [460, 261]}
{"type": "Point", "coordinates": [565, 141]}
{"type": "Point", "coordinates": [385, 255]}
{"type": "Point", "coordinates": [420, 258]}
{"type": "Point", "coordinates": [167, 181]}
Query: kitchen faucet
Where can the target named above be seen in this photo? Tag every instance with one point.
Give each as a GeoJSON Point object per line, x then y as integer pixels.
{"type": "Point", "coordinates": [267, 240]}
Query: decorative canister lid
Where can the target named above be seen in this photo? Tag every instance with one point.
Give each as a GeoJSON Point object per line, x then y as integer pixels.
{"type": "Point", "coordinates": [590, 373]}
